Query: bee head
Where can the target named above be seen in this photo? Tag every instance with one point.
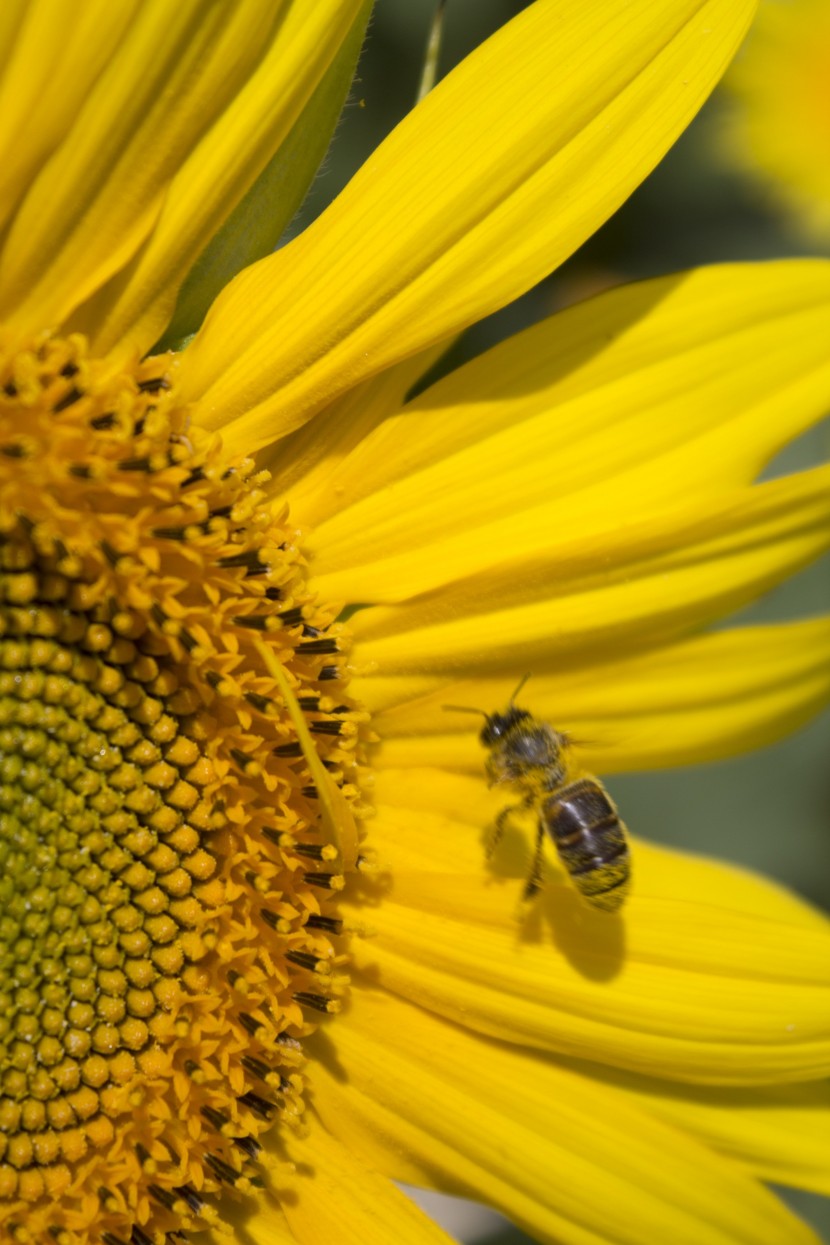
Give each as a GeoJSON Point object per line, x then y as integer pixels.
{"type": "Point", "coordinates": [498, 724]}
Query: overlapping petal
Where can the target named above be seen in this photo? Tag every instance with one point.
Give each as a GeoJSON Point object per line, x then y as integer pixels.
{"type": "Point", "coordinates": [115, 205]}
{"type": "Point", "coordinates": [490, 182]}
{"type": "Point", "coordinates": [431, 821]}
{"type": "Point", "coordinates": [339, 1196]}
{"type": "Point", "coordinates": [709, 372]}
{"type": "Point", "coordinates": [692, 701]}
{"type": "Point", "coordinates": [626, 584]}
{"type": "Point", "coordinates": [780, 1133]}
{"type": "Point", "coordinates": [565, 1158]}
{"type": "Point", "coordinates": [714, 977]}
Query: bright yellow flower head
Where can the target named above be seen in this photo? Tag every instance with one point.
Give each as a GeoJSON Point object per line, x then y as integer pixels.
{"type": "Point", "coordinates": [779, 127]}
{"type": "Point", "coordinates": [253, 964]}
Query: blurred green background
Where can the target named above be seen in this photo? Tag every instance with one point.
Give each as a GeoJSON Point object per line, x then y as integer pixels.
{"type": "Point", "coordinates": [769, 810]}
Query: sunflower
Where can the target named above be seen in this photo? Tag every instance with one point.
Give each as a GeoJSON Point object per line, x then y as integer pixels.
{"type": "Point", "coordinates": [778, 126]}
{"type": "Point", "coordinates": [254, 965]}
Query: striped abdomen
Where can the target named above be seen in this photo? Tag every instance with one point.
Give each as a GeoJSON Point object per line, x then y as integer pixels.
{"type": "Point", "coordinates": [591, 841]}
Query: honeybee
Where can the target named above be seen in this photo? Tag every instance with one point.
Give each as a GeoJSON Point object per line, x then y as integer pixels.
{"type": "Point", "coordinates": [574, 808]}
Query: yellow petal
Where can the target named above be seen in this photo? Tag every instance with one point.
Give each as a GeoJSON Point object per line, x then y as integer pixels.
{"type": "Point", "coordinates": [497, 175]}
{"type": "Point", "coordinates": [312, 452]}
{"type": "Point", "coordinates": [686, 989]}
{"type": "Point", "coordinates": [680, 704]}
{"type": "Point", "coordinates": [51, 54]}
{"type": "Point", "coordinates": [256, 225]}
{"type": "Point", "coordinates": [708, 373]}
{"type": "Point", "coordinates": [430, 821]}
{"type": "Point", "coordinates": [780, 1133]}
{"type": "Point", "coordinates": [564, 1158]}
{"type": "Point", "coordinates": [551, 590]}
{"type": "Point", "coordinates": [338, 1197]}
{"type": "Point", "coordinates": [137, 185]}
{"type": "Point", "coordinates": [710, 975]}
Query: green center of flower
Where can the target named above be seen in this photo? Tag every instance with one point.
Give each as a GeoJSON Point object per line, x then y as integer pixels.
{"type": "Point", "coordinates": [166, 876]}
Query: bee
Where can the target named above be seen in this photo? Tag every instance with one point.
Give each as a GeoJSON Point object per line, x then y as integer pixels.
{"type": "Point", "coordinates": [573, 807]}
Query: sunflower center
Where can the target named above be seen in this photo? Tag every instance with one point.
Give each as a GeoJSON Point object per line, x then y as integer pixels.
{"type": "Point", "coordinates": [166, 876]}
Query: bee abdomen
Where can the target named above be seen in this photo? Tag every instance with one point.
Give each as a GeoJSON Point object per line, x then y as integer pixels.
{"type": "Point", "coordinates": [591, 841]}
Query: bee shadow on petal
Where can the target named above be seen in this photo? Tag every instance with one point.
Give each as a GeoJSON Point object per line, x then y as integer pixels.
{"type": "Point", "coordinates": [593, 942]}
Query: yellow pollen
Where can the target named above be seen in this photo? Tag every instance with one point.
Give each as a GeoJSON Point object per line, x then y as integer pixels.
{"type": "Point", "coordinates": [179, 778]}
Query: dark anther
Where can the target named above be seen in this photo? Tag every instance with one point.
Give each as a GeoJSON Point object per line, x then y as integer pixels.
{"type": "Point", "coordinates": [248, 1022]}
{"type": "Point", "coordinates": [142, 1154]}
{"type": "Point", "coordinates": [10, 389]}
{"type": "Point", "coordinates": [310, 791]}
{"type": "Point", "coordinates": [256, 1067]}
{"type": "Point", "coordinates": [273, 594]}
{"type": "Point", "coordinates": [254, 622]}
{"type": "Point", "coordinates": [250, 557]}
{"type": "Point", "coordinates": [69, 399]}
{"type": "Point", "coordinates": [288, 750]}
{"type": "Point", "coordinates": [222, 1169]}
{"type": "Point", "coordinates": [249, 1146]}
{"type": "Point", "coordinates": [290, 618]}
{"type": "Point", "coordinates": [109, 1238]}
{"type": "Point", "coordinates": [154, 385]}
{"type": "Point", "coordinates": [312, 632]}
{"type": "Point", "coordinates": [264, 704]}
{"type": "Point", "coordinates": [139, 1237]}
{"type": "Point", "coordinates": [328, 673]}
{"type": "Point", "coordinates": [112, 555]}
{"type": "Point", "coordinates": [308, 703]}
{"type": "Point", "coordinates": [187, 639]}
{"type": "Point", "coordinates": [82, 471]}
{"type": "Point", "coordinates": [135, 464]}
{"type": "Point", "coordinates": [217, 1118]}
{"type": "Point", "coordinates": [326, 728]}
{"type": "Point", "coordinates": [102, 422]}
{"type": "Point", "coordinates": [275, 836]}
{"type": "Point", "coordinates": [329, 923]}
{"type": "Point", "coordinates": [260, 1106]}
{"type": "Point", "coordinates": [318, 646]}
{"type": "Point", "coordinates": [272, 919]}
{"type": "Point", "coordinates": [241, 759]}
{"type": "Point", "coordinates": [159, 616]}
{"type": "Point", "coordinates": [312, 851]}
{"type": "Point", "coordinates": [318, 1001]}
{"type": "Point", "coordinates": [303, 959]}
{"type": "Point", "coordinates": [170, 533]}
{"type": "Point", "coordinates": [164, 1196]}
{"type": "Point", "coordinates": [324, 880]}
{"type": "Point", "coordinates": [14, 451]}
{"type": "Point", "coordinates": [194, 1202]}
{"type": "Point", "coordinates": [213, 678]}
{"type": "Point", "coordinates": [195, 476]}
{"type": "Point", "coordinates": [69, 370]}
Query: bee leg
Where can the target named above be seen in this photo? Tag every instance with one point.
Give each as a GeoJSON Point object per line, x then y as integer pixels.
{"type": "Point", "coordinates": [500, 825]}
{"type": "Point", "coordinates": [536, 875]}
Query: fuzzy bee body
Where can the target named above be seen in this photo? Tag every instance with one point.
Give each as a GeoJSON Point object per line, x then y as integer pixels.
{"type": "Point", "coordinates": [574, 809]}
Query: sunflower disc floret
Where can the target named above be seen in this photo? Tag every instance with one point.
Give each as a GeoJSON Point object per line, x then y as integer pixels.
{"type": "Point", "coordinates": [166, 884]}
